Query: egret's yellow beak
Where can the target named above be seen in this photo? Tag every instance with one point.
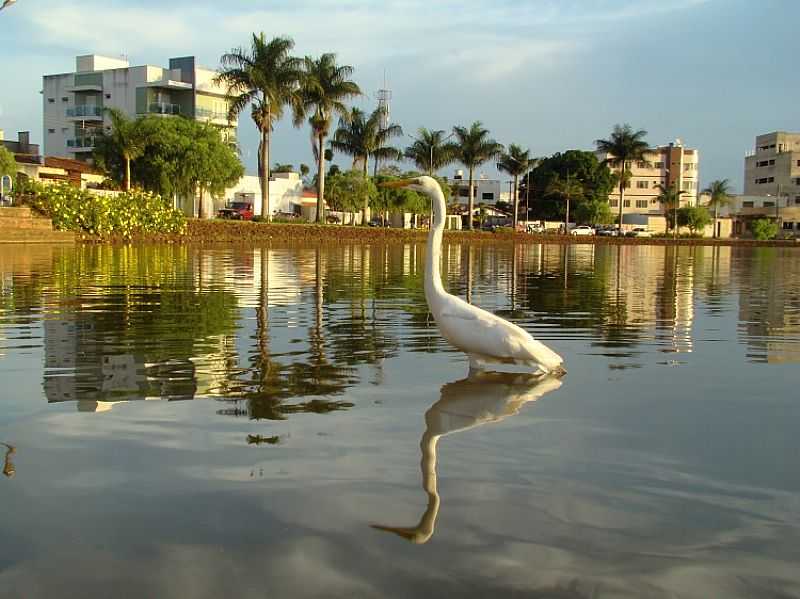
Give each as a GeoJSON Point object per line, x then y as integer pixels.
{"type": "Point", "coordinates": [397, 183]}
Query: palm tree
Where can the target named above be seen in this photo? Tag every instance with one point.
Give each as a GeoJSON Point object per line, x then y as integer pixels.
{"type": "Point", "coordinates": [267, 78]}
{"type": "Point", "coordinates": [670, 198]}
{"type": "Point", "coordinates": [473, 147]}
{"type": "Point", "coordinates": [360, 136]}
{"type": "Point", "coordinates": [516, 162]}
{"type": "Point", "coordinates": [324, 88]}
{"type": "Point", "coordinates": [430, 152]}
{"type": "Point", "coordinates": [720, 196]}
{"type": "Point", "coordinates": [567, 188]}
{"type": "Point", "coordinates": [128, 138]}
{"type": "Point", "coordinates": [624, 146]}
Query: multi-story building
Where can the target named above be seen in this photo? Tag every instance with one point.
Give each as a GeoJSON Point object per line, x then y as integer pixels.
{"type": "Point", "coordinates": [773, 168]}
{"type": "Point", "coordinates": [74, 103]}
{"type": "Point", "coordinates": [486, 190]}
{"type": "Point", "coordinates": [672, 164]}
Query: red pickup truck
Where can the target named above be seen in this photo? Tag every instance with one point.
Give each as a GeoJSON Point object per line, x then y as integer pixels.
{"type": "Point", "coordinates": [237, 211]}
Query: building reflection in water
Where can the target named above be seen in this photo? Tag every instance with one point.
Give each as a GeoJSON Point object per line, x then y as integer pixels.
{"type": "Point", "coordinates": [260, 326]}
{"type": "Point", "coordinates": [463, 405]}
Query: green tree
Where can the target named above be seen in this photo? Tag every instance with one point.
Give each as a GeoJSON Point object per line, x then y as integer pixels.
{"type": "Point", "coordinates": [347, 190]}
{"type": "Point", "coordinates": [325, 86]}
{"type": "Point", "coordinates": [694, 217]}
{"type": "Point", "coordinates": [594, 212]}
{"type": "Point", "coordinates": [516, 162]}
{"type": "Point", "coordinates": [430, 152]}
{"type": "Point", "coordinates": [670, 198]}
{"type": "Point", "coordinates": [362, 137]}
{"type": "Point", "coordinates": [595, 177]}
{"type": "Point", "coordinates": [623, 147]}
{"type": "Point", "coordinates": [267, 78]}
{"type": "Point", "coordinates": [567, 188]}
{"type": "Point", "coordinates": [764, 228]}
{"type": "Point", "coordinates": [282, 168]}
{"type": "Point", "coordinates": [719, 192]}
{"type": "Point", "coordinates": [127, 140]}
{"type": "Point", "coordinates": [8, 165]}
{"type": "Point", "coordinates": [473, 148]}
{"type": "Point", "coordinates": [210, 165]}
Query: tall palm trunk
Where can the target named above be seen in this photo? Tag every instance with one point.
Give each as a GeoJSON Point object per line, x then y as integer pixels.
{"type": "Point", "coordinates": [516, 203]}
{"type": "Point", "coordinates": [471, 198]}
{"type": "Point", "coordinates": [263, 158]}
{"type": "Point", "coordinates": [716, 216]}
{"type": "Point", "coordinates": [201, 205]}
{"type": "Point", "coordinates": [364, 216]}
{"type": "Point", "coordinates": [566, 219]}
{"type": "Point", "coordinates": [621, 200]}
{"type": "Point", "coordinates": [321, 180]}
{"type": "Point", "coordinates": [127, 174]}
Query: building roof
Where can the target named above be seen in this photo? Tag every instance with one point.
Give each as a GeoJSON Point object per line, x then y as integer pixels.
{"type": "Point", "coordinates": [69, 164]}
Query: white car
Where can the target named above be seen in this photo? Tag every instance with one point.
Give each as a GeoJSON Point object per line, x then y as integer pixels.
{"type": "Point", "coordinates": [535, 228]}
{"type": "Point", "coordinates": [582, 230]}
{"type": "Point", "coordinates": [639, 232]}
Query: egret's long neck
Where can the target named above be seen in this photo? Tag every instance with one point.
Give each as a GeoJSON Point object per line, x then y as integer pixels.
{"type": "Point", "coordinates": [433, 278]}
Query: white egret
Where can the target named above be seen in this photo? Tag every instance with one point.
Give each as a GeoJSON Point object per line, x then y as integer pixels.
{"type": "Point", "coordinates": [465, 404]}
{"type": "Point", "coordinates": [486, 338]}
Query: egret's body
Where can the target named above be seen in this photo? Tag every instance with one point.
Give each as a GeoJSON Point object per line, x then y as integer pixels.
{"type": "Point", "coordinates": [486, 338]}
{"type": "Point", "coordinates": [7, 3]}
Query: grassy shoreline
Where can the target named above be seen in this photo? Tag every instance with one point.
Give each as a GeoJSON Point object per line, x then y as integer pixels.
{"type": "Point", "coordinates": [237, 232]}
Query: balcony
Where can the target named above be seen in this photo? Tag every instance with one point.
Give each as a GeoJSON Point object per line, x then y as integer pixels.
{"type": "Point", "coordinates": [85, 112]}
{"type": "Point", "coordinates": [81, 144]}
{"type": "Point", "coordinates": [163, 108]}
{"type": "Point", "coordinates": [207, 113]}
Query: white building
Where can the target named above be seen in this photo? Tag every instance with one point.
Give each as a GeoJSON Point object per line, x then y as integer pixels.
{"type": "Point", "coordinates": [74, 103]}
{"type": "Point", "coordinates": [285, 193]}
{"type": "Point", "coordinates": [487, 191]}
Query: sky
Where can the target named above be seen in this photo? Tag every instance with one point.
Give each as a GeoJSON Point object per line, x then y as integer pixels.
{"type": "Point", "coordinates": [549, 75]}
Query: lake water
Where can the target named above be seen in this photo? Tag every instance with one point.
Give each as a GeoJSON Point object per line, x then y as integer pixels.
{"type": "Point", "coordinates": [288, 422]}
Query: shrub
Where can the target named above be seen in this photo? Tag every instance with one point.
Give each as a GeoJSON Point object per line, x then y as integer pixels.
{"type": "Point", "coordinates": [123, 214]}
{"type": "Point", "coordinates": [764, 229]}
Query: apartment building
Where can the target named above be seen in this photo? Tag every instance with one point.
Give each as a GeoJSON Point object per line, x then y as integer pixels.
{"type": "Point", "coordinates": [663, 165]}
{"type": "Point", "coordinates": [74, 103]}
{"type": "Point", "coordinates": [773, 167]}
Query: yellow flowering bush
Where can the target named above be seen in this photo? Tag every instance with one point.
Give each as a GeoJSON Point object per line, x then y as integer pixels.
{"type": "Point", "coordinates": [125, 214]}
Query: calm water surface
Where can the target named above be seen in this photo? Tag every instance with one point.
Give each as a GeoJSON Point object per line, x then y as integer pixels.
{"type": "Point", "coordinates": [288, 422]}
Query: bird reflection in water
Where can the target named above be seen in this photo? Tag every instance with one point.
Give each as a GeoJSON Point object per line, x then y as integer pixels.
{"type": "Point", "coordinates": [8, 467]}
{"type": "Point", "coordinates": [479, 399]}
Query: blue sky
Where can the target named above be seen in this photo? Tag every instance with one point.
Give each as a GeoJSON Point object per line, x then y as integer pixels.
{"type": "Point", "coordinates": [547, 74]}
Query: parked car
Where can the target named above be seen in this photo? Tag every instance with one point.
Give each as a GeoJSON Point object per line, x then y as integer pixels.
{"type": "Point", "coordinates": [582, 230]}
{"type": "Point", "coordinates": [237, 211]}
{"type": "Point", "coordinates": [535, 228]}
{"type": "Point", "coordinates": [609, 231]}
{"type": "Point", "coordinates": [376, 222]}
{"type": "Point", "coordinates": [639, 232]}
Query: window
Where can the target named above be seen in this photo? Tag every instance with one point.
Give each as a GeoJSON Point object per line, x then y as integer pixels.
{"type": "Point", "coordinates": [766, 163]}
{"type": "Point", "coordinates": [641, 203]}
{"type": "Point", "coordinates": [797, 200]}
{"type": "Point", "coordinates": [798, 163]}
{"type": "Point", "coordinates": [51, 100]}
{"type": "Point", "coordinates": [108, 96]}
{"type": "Point", "coordinates": [626, 204]}
{"type": "Point", "coordinates": [788, 225]}
{"type": "Point", "coordinates": [64, 99]}
{"type": "Point", "coordinates": [689, 166]}
{"type": "Point", "coordinates": [613, 203]}
{"type": "Point", "coordinates": [797, 181]}
{"type": "Point", "coordinates": [642, 184]}
{"type": "Point", "coordinates": [487, 195]}
{"type": "Point", "coordinates": [659, 165]}
{"type": "Point", "coordinates": [51, 130]}
{"type": "Point", "coordinates": [642, 164]}
{"type": "Point", "coordinates": [747, 204]}
{"type": "Point", "coordinates": [463, 192]}
{"type": "Point", "coordinates": [768, 204]}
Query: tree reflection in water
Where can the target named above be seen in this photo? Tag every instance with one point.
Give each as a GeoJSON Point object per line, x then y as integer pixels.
{"type": "Point", "coordinates": [463, 405]}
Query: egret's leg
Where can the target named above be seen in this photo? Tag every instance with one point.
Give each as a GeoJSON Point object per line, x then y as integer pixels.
{"type": "Point", "coordinates": [476, 365]}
